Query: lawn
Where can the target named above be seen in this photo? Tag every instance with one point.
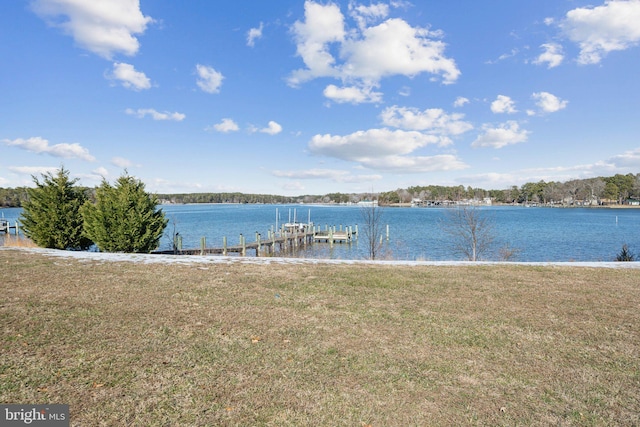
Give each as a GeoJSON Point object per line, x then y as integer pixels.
{"type": "Point", "coordinates": [134, 344]}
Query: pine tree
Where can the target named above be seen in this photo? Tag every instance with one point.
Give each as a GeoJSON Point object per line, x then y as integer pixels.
{"type": "Point", "coordinates": [51, 215]}
{"type": "Point", "coordinates": [124, 217]}
{"type": "Point", "coordinates": [625, 254]}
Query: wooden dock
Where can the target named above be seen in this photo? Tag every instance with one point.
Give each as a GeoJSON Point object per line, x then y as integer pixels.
{"type": "Point", "coordinates": [283, 242]}
{"type": "Point", "coordinates": [5, 227]}
{"type": "Point", "coordinates": [259, 247]}
{"type": "Point", "coordinates": [333, 236]}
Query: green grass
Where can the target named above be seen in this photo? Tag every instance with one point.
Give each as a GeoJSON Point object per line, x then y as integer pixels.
{"type": "Point", "coordinates": [353, 345]}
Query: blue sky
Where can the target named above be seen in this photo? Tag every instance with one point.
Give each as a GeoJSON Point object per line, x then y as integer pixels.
{"type": "Point", "coordinates": [306, 97]}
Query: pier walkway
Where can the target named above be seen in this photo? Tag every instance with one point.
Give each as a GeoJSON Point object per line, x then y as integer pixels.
{"type": "Point", "coordinates": [285, 242]}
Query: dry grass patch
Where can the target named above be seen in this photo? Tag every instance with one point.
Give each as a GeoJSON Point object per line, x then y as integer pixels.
{"type": "Point", "coordinates": [13, 241]}
{"type": "Point", "coordinates": [134, 344]}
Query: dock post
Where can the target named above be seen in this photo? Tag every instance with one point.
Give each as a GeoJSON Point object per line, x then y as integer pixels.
{"type": "Point", "coordinates": [273, 243]}
{"type": "Point", "coordinates": [258, 247]}
{"type": "Point", "coordinates": [357, 232]}
{"type": "Point", "coordinates": [203, 244]}
{"type": "Point", "coordinates": [224, 245]}
{"type": "Point", "coordinates": [330, 238]}
{"type": "Point", "coordinates": [244, 249]}
{"type": "Point", "coordinates": [387, 232]}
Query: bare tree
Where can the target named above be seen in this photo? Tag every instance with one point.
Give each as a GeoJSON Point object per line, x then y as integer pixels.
{"type": "Point", "coordinates": [371, 215]}
{"type": "Point", "coordinates": [594, 188]}
{"type": "Point", "coordinates": [470, 230]}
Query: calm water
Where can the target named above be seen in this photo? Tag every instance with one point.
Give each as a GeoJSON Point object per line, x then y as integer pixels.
{"type": "Point", "coordinates": [538, 234]}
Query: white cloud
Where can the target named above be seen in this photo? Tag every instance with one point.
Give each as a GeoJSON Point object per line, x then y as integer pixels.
{"type": "Point", "coordinates": [549, 103]}
{"type": "Point", "coordinates": [121, 162]}
{"type": "Point", "coordinates": [129, 77]}
{"type": "Point", "coordinates": [434, 121]}
{"type": "Point", "coordinates": [508, 133]}
{"type": "Point", "coordinates": [95, 176]}
{"type": "Point", "coordinates": [385, 149]}
{"type": "Point", "coordinates": [603, 29]}
{"type": "Point", "coordinates": [293, 186]}
{"type": "Point", "coordinates": [629, 160]}
{"type": "Point", "coordinates": [101, 171]}
{"type": "Point", "coordinates": [552, 55]}
{"type": "Point", "coordinates": [226, 125]}
{"type": "Point", "coordinates": [355, 179]}
{"type": "Point", "coordinates": [504, 56]}
{"type": "Point", "coordinates": [311, 174]}
{"type": "Point", "coordinates": [330, 174]}
{"type": "Point", "coordinates": [323, 24]}
{"type": "Point", "coordinates": [408, 51]}
{"type": "Point", "coordinates": [503, 104]}
{"type": "Point", "coordinates": [400, 4]}
{"type": "Point", "coordinates": [41, 146]}
{"type": "Point", "coordinates": [352, 94]}
{"type": "Point", "coordinates": [366, 15]}
{"type": "Point", "coordinates": [404, 91]}
{"type": "Point", "coordinates": [357, 60]}
{"type": "Point", "coordinates": [160, 185]}
{"type": "Point", "coordinates": [155, 115]}
{"type": "Point", "coordinates": [209, 80]}
{"type": "Point", "coordinates": [371, 143]}
{"type": "Point", "coordinates": [254, 34]}
{"type": "Point", "coordinates": [460, 101]}
{"type": "Point", "coordinates": [32, 170]}
{"type": "Point", "coordinates": [272, 129]}
{"type": "Point", "coordinates": [416, 164]}
{"type": "Point", "coordinates": [102, 27]}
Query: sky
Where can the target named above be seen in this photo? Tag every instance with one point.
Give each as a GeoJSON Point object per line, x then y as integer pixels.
{"type": "Point", "coordinates": [314, 97]}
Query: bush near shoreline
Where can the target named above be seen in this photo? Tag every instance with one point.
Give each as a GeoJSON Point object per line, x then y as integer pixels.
{"type": "Point", "coordinates": [319, 344]}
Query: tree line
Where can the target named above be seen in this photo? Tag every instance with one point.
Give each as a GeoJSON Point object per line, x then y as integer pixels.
{"type": "Point", "coordinates": [183, 198]}
{"type": "Point", "coordinates": [592, 191]}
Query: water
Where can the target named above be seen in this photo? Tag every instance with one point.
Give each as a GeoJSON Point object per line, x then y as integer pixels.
{"type": "Point", "coordinates": [537, 234]}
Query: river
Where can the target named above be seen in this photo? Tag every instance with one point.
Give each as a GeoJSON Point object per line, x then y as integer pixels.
{"type": "Point", "coordinates": [533, 234]}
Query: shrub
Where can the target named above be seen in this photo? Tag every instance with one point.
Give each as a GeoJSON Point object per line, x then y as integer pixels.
{"type": "Point", "coordinates": [51, 217]}
{"type": "Point", "coordinates": [625, 254]}
{"type": "Point", "coordinates": [124, 217]}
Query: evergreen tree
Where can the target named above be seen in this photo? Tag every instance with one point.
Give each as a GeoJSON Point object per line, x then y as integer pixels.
{"type": "Point", "coordinates": [51, 215]}
{"type": "Point", "coordinates": [124, 217]}
{"type": "Point", "coordinates": [625, 254]}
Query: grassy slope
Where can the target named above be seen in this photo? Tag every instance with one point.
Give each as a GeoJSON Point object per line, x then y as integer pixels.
{"type": "Point", "coordinates": [131, 344]}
